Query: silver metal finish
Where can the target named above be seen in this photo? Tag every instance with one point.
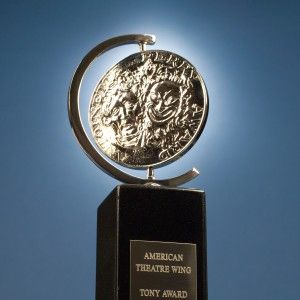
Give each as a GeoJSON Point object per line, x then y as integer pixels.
{"type": "Point", "coordinates": [146, 111]}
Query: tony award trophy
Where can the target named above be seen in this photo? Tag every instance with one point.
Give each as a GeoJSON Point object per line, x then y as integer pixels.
{"type": "Point", "coordinates": [145, 112]}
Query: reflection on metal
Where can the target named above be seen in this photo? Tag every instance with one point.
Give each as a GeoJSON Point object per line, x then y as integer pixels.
{"type": "Point", "coordinates": [148, 109]}
{"type": "Point", "coordinates": [145, 112]}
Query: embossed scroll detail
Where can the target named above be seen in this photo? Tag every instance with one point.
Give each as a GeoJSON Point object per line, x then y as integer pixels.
{"type": "Point", "coordinates": [147, 109]}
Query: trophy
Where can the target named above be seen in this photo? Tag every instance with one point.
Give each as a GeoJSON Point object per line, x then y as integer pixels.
{"type": "Point", "coordinates": [144, 113]}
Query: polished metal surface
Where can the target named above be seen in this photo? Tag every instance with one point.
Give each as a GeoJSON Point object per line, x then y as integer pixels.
{"type": "Point", "coordinates": [148, 109]}
{"type": "Point", "coordinates": [155, 115]}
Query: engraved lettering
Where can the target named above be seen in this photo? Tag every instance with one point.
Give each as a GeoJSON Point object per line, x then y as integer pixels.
{"type": "Point", "coordinates": [181, 269]}
{"type": "Point", "coordinates": [149, 293]}
{"type": "Point", "coordinates": [163, 256]}
{"type": "Point", "coordinates": [174, 294]}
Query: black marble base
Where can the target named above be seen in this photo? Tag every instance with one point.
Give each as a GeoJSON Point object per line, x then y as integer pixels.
{"type": "Point", "coordinates": [132, 263]}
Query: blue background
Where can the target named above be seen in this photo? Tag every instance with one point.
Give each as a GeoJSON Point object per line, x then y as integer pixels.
{"type": "Point", "coordinates": [248, 155]}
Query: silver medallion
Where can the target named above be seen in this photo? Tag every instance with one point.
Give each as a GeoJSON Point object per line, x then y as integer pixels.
{"type": "Point", "coordinates": [148, 109]}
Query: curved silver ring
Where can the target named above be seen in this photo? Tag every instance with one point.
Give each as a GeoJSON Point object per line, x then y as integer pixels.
{"type": "Point", "coordinates": [76, 123]}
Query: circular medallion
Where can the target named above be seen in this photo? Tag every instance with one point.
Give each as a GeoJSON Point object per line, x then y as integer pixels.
{"type": "Point", "coordinates": [148, 109]}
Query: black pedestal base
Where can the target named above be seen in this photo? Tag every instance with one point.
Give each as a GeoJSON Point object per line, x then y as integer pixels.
{"type": "Point", "coordinates": [151, 243]}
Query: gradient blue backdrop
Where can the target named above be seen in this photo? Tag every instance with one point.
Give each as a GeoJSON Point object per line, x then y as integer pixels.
{"type": "Point", "coordinates": [248, 155]}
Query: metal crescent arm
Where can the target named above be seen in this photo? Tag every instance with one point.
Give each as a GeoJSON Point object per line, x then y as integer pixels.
{"type": "Point", "coordinates": [76, 123]}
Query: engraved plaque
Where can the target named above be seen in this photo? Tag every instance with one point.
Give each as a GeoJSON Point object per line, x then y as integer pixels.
{"type": "Point", "coordinates": [162, 270]}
